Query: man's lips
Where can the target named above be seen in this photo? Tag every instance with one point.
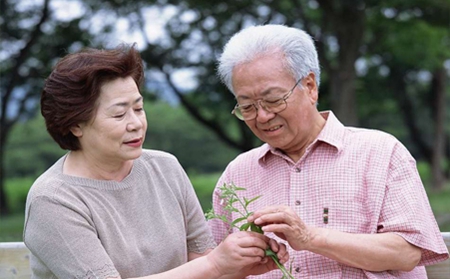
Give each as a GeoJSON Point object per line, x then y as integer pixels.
{"type": "Point", "coordinates": [273, 128]}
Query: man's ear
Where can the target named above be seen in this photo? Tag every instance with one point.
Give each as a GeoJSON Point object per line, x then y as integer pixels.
{"type": "Point", "coordinates": [76, 131]}
{"type": "Point", "coordinates": [311, 85]}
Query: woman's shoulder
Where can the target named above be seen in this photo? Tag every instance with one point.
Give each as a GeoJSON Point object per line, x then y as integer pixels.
{"type": "Point", "coordinates": [49, 181]}
{"type": "Point", "coordinates": [152, 154]}
{"type": "Point", "coordinates": [160, 160]}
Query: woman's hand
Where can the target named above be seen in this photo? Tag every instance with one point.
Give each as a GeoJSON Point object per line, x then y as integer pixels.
{"type": "Point", "coordinates": [267, 264]}
{"type": "Point", "coordinates": [284, 223]}
{"type": "Point", "coordinates": [243, 253]}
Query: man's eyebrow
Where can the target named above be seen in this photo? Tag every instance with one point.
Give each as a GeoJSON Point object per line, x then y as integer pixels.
{"type": "Point", "coordinates": [124, 104]}
{"type": "Point", "coordinates": [263, 94]}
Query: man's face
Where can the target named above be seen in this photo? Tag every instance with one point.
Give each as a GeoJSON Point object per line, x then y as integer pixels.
{"type": "Point", "coordinates": [266, 78]}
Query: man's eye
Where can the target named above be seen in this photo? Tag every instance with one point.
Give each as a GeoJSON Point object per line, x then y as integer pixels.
{"type": "Point", "coordinates": [245, 107]}
{"type": "Point", "coordinates": [272, 102]}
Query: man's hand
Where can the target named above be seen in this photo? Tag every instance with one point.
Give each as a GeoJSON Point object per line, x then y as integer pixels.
{"type": "Point", "coordinates": [284, 223]}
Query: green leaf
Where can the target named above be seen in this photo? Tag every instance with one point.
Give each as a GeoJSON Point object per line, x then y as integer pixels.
{"type": "Point", "coordinates": [252, 200]}
{"type": "Point", "coordinates": [244, 227]}
{"type": "Point", "coordinates": [238, 220]}
{"type": "Point", "coordinates": [255, 228]}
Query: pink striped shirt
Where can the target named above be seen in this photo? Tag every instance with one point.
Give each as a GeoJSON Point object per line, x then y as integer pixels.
{"type": "Point", "coordinates": [368, 181]}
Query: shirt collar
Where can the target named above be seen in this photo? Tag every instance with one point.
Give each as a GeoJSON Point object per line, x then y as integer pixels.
{"type": "Point", "coordinates": [332, 133]}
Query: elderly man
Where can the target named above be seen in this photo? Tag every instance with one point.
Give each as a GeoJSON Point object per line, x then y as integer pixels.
{"type": "Point", "coordinates": [348, 201]}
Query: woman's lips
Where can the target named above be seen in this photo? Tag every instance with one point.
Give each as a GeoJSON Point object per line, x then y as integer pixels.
{"type": "Point", "coordinates": [134, 142]}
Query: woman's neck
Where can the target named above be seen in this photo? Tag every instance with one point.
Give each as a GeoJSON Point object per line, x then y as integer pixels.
{"type": "Point", "coordinates": [80, 164]}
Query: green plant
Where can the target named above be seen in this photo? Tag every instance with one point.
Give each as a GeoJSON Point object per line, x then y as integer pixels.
{"type": "Point", "coordinates": [230, 196]}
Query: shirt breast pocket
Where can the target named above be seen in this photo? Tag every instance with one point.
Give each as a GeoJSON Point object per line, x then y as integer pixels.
{"type": "Point", "coordinates": [347, 216]}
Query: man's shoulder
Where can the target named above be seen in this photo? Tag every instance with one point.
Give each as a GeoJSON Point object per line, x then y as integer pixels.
{"type": "Point", "coordinates": [375, 142]}
{"type": "Point", "coordinates": [370, 135]}
{"type": "Point", "coordinates": [250, 158]}
{"type": "Point", "coordinates": [254, 153]}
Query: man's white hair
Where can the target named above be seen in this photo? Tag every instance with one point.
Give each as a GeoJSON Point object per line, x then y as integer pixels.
{"type": "Point", "coordinates": [293, 45]}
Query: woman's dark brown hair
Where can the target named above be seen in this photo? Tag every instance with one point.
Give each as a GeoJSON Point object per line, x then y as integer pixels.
{"type": "Point", "coordinates": [71, 91]}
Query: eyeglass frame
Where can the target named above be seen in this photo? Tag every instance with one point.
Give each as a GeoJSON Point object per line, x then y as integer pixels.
{"type": "Point", "coordinates": [258, 102]}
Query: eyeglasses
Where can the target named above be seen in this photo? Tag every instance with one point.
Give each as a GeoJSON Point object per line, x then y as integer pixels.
{"type": "Point", "coordinates": [250, 110]}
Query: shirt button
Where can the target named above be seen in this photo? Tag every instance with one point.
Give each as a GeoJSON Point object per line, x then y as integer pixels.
{"type": "Point", "coordinates": [297, 202]}
{"type": "Point", "coordinates": [297, 269]}
{"type": "Point", "coordinates": [298, 169]}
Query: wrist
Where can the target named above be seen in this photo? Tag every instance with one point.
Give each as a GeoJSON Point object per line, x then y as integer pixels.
{"type": "Point", "coordinates": [212, 266]}
{"type": "Point", "coordinates": [318, 239]}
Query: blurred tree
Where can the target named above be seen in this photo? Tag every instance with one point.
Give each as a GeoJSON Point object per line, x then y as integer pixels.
{"type": "Point", "coordinates": [361, 43]}
{"type": "Point", "coordinates": [405, 41]}
{"type": "Point", "coordinates": [197, 148]}
{"type": "Point", "coordinates": [15, 88]}
{"type": "Point", "coordinates": [33, 37]}
{"type": "Point", "coordinates": [413, 43]}
{"type": "Point", "coordinates": [21, 161]}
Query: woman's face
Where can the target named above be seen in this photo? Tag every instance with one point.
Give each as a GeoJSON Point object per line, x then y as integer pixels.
{"type": "Point", "coordinates": [117, 131]}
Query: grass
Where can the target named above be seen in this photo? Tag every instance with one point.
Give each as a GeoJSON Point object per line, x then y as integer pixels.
{"type": "Point", "coordinates": [439, 202]}
{"type": "Point", "coordinates": [11, 227]}
{"type": "Point", "coordinates": [16, 191]}
{"type": "Point", "coordinates": [204, 186]}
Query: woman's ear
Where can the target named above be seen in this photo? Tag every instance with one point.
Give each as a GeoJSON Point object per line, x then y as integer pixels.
{"type": "Point", "coordinates": [76, 131]}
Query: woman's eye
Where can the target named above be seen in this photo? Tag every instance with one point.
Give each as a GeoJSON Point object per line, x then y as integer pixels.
{"type": "Point", "coordinates": [119, 116]}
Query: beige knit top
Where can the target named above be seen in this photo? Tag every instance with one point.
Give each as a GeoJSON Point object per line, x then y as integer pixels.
{"type": "Point", "coordinates": [85, 228]}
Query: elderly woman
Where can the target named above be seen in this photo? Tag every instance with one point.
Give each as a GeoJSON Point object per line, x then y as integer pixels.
{"type": "Point", "coordinates": [108, 208]}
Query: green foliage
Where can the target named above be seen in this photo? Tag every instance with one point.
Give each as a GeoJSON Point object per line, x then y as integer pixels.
{"type": "Point", "coordinates": [440, 206]}
{"type": "Point", "coordinates": [30, 149]}
{"type": "Point", "coordinates": [17, 190]}
{"type": "Point", "coordinates": [11, 228]}
{"type": "Point", "coordinates": [230, 198]}
{"type": "Point", "coordinates": [173, 130]}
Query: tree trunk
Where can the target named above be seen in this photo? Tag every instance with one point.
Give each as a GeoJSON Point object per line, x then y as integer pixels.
{"type": "Point", "coordinates": [347, 21]}
{"type": "Point", "coordinates": [343, 96]}
{"type": "Point", "coordinates": [408, 111]}
{"type": "Point", "coordinates": [438, 152]}
{"type": "Point", "coordinates": [6, 95]}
